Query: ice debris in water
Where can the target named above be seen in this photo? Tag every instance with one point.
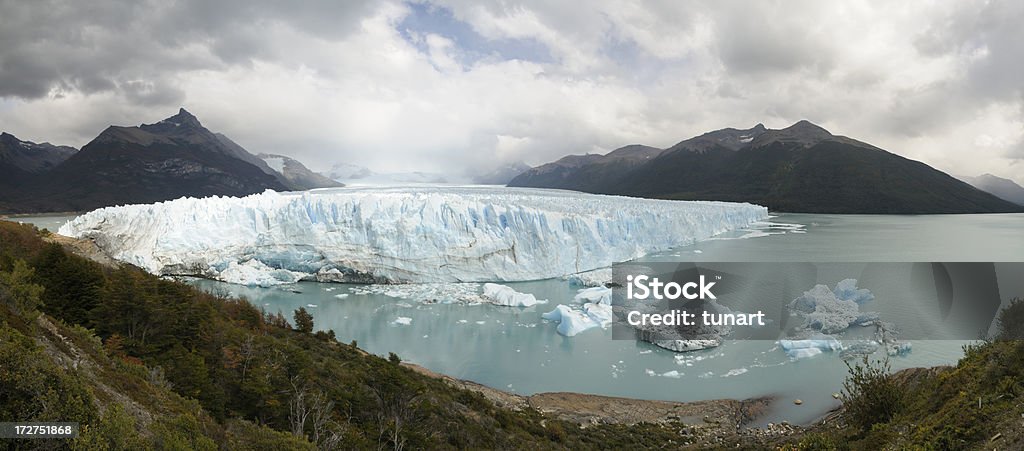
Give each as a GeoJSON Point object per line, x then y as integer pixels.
{"type": "Point", "coordinates": [402, 234]}
{"type": "Point", "coordinates": [595, 278]}
{"type": "Point", "coordinates": [444, 293]}
{"type": "Point", "coordinates": [505, 295]}
{"type": "Point", "coordinates": [255, 273]}
{"type": "Point", "coordinates": [402, 321]}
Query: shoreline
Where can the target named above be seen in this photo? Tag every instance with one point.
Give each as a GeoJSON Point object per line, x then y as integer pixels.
{"type": "Point", "coordinates": [4, 216]}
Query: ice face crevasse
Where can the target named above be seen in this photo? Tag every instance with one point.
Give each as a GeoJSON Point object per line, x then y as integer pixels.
{"type": "Point", "coordinates": [411, 234]}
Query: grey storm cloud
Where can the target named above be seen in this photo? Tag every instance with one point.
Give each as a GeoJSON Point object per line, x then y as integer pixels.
{"type": "Point", "coordinates": [136, 47]}
{"type": "Point", "coordinates": [354, 81]}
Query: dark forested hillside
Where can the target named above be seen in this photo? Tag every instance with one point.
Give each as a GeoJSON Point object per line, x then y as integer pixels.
{"type": "Point", "coordinates": [802, 168]}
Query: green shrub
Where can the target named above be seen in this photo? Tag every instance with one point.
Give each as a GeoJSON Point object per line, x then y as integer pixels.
{"type": "Point", "coordinates": [181, 433]}
{"type": "Point", "coordinates": [115, 431]}
{"type": "Point", "coordinates": [870, 394]}
{"type": "Point", "coordinates": [818, 441]}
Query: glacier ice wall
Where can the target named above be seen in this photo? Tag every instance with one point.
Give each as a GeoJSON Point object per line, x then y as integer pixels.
{"type": "Point", "coordinates": [406, 234]}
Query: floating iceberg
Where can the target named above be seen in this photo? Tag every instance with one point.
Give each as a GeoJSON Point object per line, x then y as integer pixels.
{"type": "Point", "coordinates": [571, 321]}
{"type": "Point", "coordinates": [595, 295]}
{"type": "Point", "coordinates": [833, 311]}
{"type": "Point", "coordinates": [801, 349]}
{"type": "Point", "coordinates": [406, 234]}
{"type": "Point", "coordinates": [504, 295]}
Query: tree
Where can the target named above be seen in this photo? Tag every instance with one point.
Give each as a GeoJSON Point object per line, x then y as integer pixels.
{"type": "Point", "coordinates": [17, 289]}
{"type": "Point", "coordinates": [1011, 321]}
{"type": "Point", "coordinates": [74, 286]}
{"type": "Point", "coordinates": [303, 321]}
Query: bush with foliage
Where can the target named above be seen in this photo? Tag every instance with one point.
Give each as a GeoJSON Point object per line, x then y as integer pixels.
{"type": "Point", "coordinates": [870, 394]}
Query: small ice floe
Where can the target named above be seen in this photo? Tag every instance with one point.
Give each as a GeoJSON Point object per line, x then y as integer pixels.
{"type": "Point", "coordinates": [505, 295]}
{"type": "Point", "coordinates": [673, 374]}
{"type": "Point", "coordinates": [341, 296]}
{"type": "Point", "coordinates": [735, 372]}
{"type": "Point", "coordinates": [646, 351]}
{"type": "Point", "coordinates": [402, 321]}
{"type": "Point", "coordinates": [481, 322]}
{"type": "Point", "coordinates": [312, 305]}
{"type": "Point", "coordinates": [698, 251]}
{"type": "Point", "coordinates": [462, 321]}
{"type": "Point", "coordinates": [688, 359]}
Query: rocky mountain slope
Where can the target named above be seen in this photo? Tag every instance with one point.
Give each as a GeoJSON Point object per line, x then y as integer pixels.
{"type": "Point", "coordinates": [148, 163]}
{"type": "Point", "coordinates": [1005, 189]}
{"type": "Point", "coordinates": [296, 174]}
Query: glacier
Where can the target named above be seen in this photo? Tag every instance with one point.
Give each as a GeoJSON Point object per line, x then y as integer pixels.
{"type": "Point", "coordinates": [401, 234]}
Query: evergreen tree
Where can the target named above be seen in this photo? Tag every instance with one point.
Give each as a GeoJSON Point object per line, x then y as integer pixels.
{"type": "Point", "coordinates": [303, 321]}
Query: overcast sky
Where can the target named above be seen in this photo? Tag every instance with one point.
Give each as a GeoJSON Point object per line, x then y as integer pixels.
{"type": "Point", "coordinates": [454, 85]}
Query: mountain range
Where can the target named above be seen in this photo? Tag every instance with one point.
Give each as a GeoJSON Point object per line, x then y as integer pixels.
{"type": "Point", "coordinates": [1005, 189]}
{"type": "Point", "coordinates": [802, 169]}
{"type": "Point", "coordinates": [148, 163]}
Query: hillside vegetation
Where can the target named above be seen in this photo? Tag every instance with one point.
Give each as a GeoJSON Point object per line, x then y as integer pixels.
{"type": "Point", "coordinates": [976, 404]}
{"type": "Point", "coordinates": [146, 363]}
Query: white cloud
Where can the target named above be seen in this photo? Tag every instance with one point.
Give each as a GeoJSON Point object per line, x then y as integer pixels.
{"type": "Point", "coordinates": [920, 79]}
